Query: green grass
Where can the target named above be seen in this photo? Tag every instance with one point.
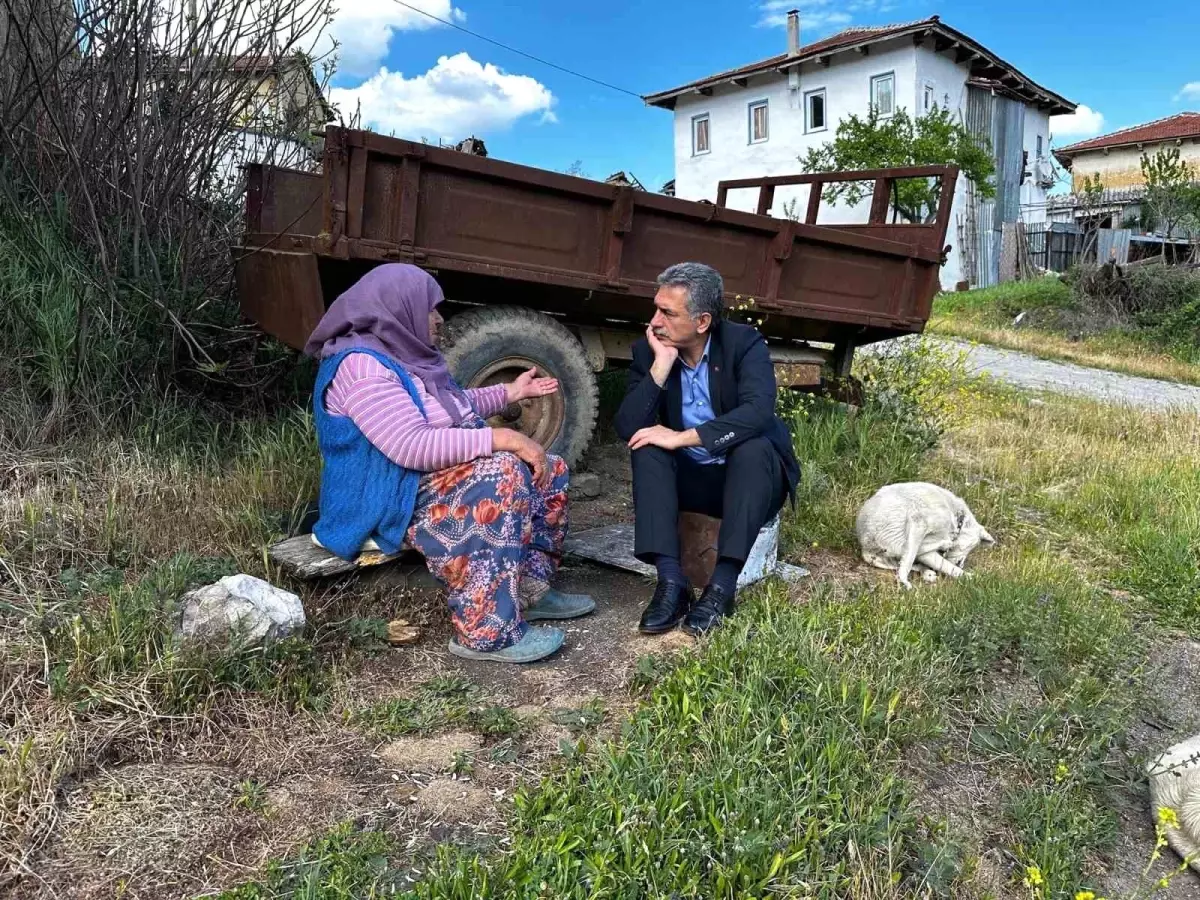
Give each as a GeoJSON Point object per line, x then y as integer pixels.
{"type": "Point", "coordinates": [1005, 301]}
{"type": "Point", "coordinates": [752, 765]}
{"type": "Point", "coordinates": [443, 702]}
{"type": "Point", "coordinates": [438, 703]}
{"type": "Point", "coordinates": [1059, 327]}
{"type": "Point", "coordinates": [343, 865]}
{"type": "Point", "coordinates": [1118, 489]}
{"type": "Point", "coordinates": [119, 644]}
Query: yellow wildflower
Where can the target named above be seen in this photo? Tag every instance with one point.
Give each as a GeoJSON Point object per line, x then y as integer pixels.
{"type": "Point", "coordinates": [1167, 817]}
{"type": "Point", "coordinates": [1033, 877]}
{"type": "Point", "coordinates": [1085, 895]}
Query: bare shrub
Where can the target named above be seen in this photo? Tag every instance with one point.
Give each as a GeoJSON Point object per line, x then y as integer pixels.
{"type": "Point", "coordinates": [122, 126]}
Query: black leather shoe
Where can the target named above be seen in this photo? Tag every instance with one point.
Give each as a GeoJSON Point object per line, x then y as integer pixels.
{"type": "Point", "coordinates": [713, 606]}
{"type": "Point", "coordinates": [668, 606]}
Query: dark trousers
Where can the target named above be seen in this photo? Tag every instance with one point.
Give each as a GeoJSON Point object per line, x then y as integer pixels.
{"type": "Point", "coordinates": [745, 493]}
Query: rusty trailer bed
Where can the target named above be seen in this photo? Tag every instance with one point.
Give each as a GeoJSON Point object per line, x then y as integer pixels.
{"type": "Point", "coordinates": [586, 251]}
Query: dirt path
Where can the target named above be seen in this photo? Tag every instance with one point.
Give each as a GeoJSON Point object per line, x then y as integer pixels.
{"type": "Point", "coordinates": [1025, 371]}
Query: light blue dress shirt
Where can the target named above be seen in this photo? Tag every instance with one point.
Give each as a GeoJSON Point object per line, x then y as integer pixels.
{"type": "Point", "coordinates": [697, 404]}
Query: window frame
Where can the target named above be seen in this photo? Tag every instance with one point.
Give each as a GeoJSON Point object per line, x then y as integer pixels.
{"type": "Point", "coordinates": [891, 75]}
{"type": "Point", "coordinates": [1040, 147]}
{"type": "Point", "coordinates": [808, 126]}
{"type": "Point", "coordinates": [696, 119]}
{"type": "Point", "coordinates": [763, 103]}
{"type": "Point", "coordinates": [928, 92]}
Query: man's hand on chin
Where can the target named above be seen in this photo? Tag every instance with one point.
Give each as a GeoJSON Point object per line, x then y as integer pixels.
{"type": "Point", "coordinates": [665, 438]}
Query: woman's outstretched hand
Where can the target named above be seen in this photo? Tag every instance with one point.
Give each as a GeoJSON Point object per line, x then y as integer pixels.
{"type": "Point", "coordinates": [527, 450]}
{"type": "Point", "coordinates": [528, 386]}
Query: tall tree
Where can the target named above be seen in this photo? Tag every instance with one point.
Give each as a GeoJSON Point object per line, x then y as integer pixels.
{"type": "Point", "coordinates": [1172, 192]}
{"type": "Point", "coordinates": [875, 142]}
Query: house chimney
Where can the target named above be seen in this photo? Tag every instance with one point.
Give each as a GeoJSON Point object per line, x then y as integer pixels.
{"type": "Point", "coordinates": [793, 30]}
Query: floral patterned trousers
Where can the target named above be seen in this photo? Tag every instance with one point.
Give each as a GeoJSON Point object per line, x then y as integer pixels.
{"type": "Point", "coordinates": [494, 539]}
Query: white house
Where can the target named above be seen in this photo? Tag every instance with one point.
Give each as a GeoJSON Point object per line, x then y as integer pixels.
{"type": "Point", "coordinates": [761, 118]}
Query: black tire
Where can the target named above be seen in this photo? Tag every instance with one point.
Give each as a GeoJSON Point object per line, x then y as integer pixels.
{"type": "Point", "coordinates": [490, 344]}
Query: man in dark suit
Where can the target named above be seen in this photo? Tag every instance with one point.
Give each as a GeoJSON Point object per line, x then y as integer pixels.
{"type": "Point", "coordinates": [699, 417]}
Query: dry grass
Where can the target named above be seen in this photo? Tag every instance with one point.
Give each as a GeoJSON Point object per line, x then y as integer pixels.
{"type": "Point", "coordinates": [76, 531]}
{"type": "Point", "coordinates": [1114, 352]}
{"type": "Point", "coordinates": [228, 762]}
{"type": "Point", "coordinates": [93, 741]}
{"type": "Point", "coordinates": [1115, 488]}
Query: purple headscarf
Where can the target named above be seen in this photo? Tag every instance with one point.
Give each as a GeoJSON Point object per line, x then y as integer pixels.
{"type": "Point", "coordinates": [387, 310]}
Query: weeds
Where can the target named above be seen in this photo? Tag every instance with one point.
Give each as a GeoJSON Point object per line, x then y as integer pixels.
{"type": "Point", "coordinates": [586, 718]}
{"type": "Point", "coordinates": [496, 721]}
{"type": "Point", "coordinates": [847, 454]}
{"type": "Point", "coordinates": [343, 865]}
{"type": "Point", "coordinates": [441, 702]}
{"type": "Point", "coordinates": [754, 766]}
{"type": "Point", "coordinates": [1145, 322]}
{"type": "Point", "coordinates": [1117, 488]}
{"type": "Point", "coordinates": [252, 796]}
{"type": "Point", "coordinates": [773, 758]}
{"type": "Point", "coordinates": [120, 648]}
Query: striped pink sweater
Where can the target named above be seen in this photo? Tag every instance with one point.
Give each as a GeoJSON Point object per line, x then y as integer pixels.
{"type": "Point", "coordinates": [376, 401]}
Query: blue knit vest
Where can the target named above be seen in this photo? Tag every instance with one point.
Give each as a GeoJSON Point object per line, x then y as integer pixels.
{"type": "Point", "coordinates": [363, 493]}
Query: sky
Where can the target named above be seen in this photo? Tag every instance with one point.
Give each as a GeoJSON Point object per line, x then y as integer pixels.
{"type": "Point", "coordinates": [416, 78]}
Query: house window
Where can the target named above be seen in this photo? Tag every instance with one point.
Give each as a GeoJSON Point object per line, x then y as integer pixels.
{"type": "Point", "coordinates": [928, 99]}
{"type": "Point", "coordinates": [758, 122]}
{"type": "Point", "coordinates": [883, 93]}
{"type": "Point", "coordinates": [814, 110]}
{"type": "Point", "coordinates": [700, 142]}
{"type": "Point", "coordinates": [1039, 146]}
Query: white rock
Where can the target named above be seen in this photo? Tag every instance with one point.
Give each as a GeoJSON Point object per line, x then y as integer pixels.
{"type": "Point", "coordinates": [241, 608]}
{"type": "Point", "coordinates": [764, 555]}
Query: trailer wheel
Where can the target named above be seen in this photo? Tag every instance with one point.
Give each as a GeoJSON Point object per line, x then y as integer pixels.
{"type": "Point", "coordinates": [495, 344]}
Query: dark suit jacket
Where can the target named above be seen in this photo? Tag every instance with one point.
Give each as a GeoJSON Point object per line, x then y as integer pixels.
{"type": "Point", "coordinates": [741, 381]}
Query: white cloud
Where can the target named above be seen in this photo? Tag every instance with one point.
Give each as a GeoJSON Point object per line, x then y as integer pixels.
{"type": "Point", "coordinates": [1190, 91]}
{"type": "Point", "coordinates": [456, 98]}
{"type": "Point", "coordinates": [1082, 123]}
{"type": "Point", "coordinates": [816, 16]}
{"type": "Point", "coordinates": [364, 28]}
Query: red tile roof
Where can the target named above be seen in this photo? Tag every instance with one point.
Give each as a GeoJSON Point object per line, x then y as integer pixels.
{"type": "Point", "coordinates": [861, 37]}
{"type": "Point", "coordinates": [1181, 125]}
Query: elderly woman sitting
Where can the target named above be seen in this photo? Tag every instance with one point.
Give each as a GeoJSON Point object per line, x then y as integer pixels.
{"type": "Point", "coordinates": [407, 455]}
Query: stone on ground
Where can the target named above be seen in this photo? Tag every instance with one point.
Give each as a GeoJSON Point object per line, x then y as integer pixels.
{"type": "Point", "coordinates": [241, 609]}
{"type": "Point", "coordinates": [585, 486]}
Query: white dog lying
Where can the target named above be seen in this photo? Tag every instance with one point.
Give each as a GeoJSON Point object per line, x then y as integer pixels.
{"type": "Point", "coordinates": [918, 526]}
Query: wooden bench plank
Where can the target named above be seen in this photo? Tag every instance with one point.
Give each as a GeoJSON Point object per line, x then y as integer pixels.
{"type": "Point", "coordinates": [300, 557]}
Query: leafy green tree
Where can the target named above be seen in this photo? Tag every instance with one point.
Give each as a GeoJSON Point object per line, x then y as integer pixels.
{"type": "Point", "coordinates": [1172, 192]}
{"type": "Point", "coordinates": [875, 142]}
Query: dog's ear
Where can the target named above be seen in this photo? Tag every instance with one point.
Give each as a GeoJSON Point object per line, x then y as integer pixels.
{"type": "Point", "coordinates": [985, 537]}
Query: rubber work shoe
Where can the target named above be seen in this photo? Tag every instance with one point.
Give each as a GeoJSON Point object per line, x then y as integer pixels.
{"type": "Point", "coordinates": [557, 605]}
{"type": "Point", "coordinates": [539, 642]}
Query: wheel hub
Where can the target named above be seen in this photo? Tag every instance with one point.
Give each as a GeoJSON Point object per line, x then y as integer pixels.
{"type": "Point", "coordinates": [541, 418]}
